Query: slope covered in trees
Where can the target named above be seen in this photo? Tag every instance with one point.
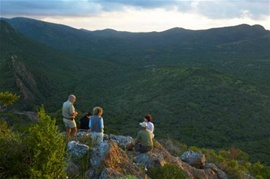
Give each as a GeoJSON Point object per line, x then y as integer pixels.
{"type": "Point", "coordinates": [214, 95]}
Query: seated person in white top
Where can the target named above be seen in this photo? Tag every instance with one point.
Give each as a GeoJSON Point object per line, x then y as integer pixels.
{"type": "Point", "coordinates": [150, 125]}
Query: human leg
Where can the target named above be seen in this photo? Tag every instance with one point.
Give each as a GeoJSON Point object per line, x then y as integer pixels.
{"type": "Point", "coordinates": [142, 149]}
{"type": "Point", "coordinates": [74, 131]}
{"type": "Point", "coordinates": [130, 146]}
{"type": "Point", "coordinates": [96, 138]}
{"type": "Point", "coordinates": [68, 131]}
{"type": "Point", "coordinates": [99, 137]}
{"type": "Point", "coordinates": [71, 127]}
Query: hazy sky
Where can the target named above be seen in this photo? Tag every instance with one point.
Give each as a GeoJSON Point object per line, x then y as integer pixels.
{"type": "Point", "coordinates": [141, 15]}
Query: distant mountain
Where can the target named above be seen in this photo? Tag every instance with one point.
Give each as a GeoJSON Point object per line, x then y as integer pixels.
{"type": "Point", "coordinates": [209, 88]}
{"type": "Point", "coordinates": [223, 49]}
{"type": "Point", "coordinates": [35, 70]}
{"type": "Point", "coordinates": [103, 44]}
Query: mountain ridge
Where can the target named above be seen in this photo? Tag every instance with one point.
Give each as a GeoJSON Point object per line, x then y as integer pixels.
{"type": "Point", "coordinates": [213, 96]}
{"type": "Point", "coordinates": [88, 42]}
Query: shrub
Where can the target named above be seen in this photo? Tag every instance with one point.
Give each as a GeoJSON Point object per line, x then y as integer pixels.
{"type": "Point", "coordinates": [7, 98]}
{"type": "Point", "coordinates": [46, 148]}
{"type": "Point", "coordinates": [13, 161]}
{"type": "Point", "coordinates": [259, 170]}
{"type": "Point", "coordinates": [167, 172]}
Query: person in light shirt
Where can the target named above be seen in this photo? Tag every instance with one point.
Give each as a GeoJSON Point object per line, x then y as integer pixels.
{"type": "Point", "coordinates": [150, 125]}
{"type": "Point", "coordinates": [69, 113]}
{"type": "Point", "coordinates": [144, 140]}
{"type": "Point", "coordinates": [96, 125]}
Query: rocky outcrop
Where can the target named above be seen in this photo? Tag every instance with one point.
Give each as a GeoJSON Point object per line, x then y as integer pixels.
{"type": "Point", "coordinates": [110, 160]}
{"type": "Point", "coordinates": [75, 149]}
{"type": "Point", "coordinates": [195, 159]}
{"type": "Point", "coordinates": [25, 81]}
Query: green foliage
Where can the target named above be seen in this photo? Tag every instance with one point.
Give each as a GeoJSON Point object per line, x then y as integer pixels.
{"type": "Point", "coordinates": [7, 98]}
{"type": "Point", "coordinates": [259, 170]}
{"type": "Point", "coordinates": [14, 163]}
{"type": "Point", "coordinates": [38, 153]}
{"type": "Point", "coordinates": [236, 163]}
{"type": "Point", "coordinates": [167, 171]}
{"type": "Point", "coordinates": [205, 88]}
{"type": "Point", "coordinates": [47, 148]}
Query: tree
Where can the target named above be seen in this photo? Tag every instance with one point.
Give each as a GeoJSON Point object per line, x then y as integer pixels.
{"type": "Point", "coordinates": [12, 153]}
{"type": "Point", "coordinates": [47, 148]}
{"type": "Point", "coordinates": [7, 98]}
{"type": "Point", "coordinates": [37, 153]}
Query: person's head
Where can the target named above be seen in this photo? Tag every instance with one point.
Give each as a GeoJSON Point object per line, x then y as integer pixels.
{"type": "Point", "coordinates": [72, 98]}
{"type": "Point", "coordinates": [148, 118]}
{"type": "Point", "coordinates": [143, 125]}
{"type": "Point", "coordinates": [87, 114]}
{"type": "Point", "coordinates": [97, 111]}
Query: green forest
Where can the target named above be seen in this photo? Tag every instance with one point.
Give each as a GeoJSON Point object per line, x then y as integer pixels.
{"type": "Point", "coordinates": [208, 88]}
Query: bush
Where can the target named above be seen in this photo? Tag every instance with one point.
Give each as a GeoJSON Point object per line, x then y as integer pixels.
{"type": "Point", "coordinates": [167, 172]}
{"type": "Point", "coordinates": [47, 149]}
{"type": "Point", "coordinates": [7, 98]}
{"type": "Point", "coordinates": [13, 161]}
{"type": "Point", "coordinates": [38, 153]}
{"type": "Point", "coordinates": [259, 170]}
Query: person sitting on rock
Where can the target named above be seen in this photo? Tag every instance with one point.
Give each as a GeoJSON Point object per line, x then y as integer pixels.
{"type": "Point", "coordinates": [143, 142]}
{"type": "Point", "coordinates": [84, 122]}
{"type": "Point", "coordinates": [150, 125]}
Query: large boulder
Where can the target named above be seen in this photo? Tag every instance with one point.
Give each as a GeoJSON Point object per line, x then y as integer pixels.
{"type": "Point", "coordinates": [156, 158]}
{"type": "Point", "coordinates": [75, 149]}
{"type": "Point", "coordinates": [108, 155]}
{"type": "Point", "coordinates": [195, 159]}
{"type": "Point", "coordinates": [122, 141]}
{"type": "Point", "coordinates": [220, 173]}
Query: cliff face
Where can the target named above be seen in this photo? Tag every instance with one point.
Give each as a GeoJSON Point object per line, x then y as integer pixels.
{"type": "Point", "coordinates": [25, 81]}
{"type": "Point", "coordinates": [16, 65]}
{"type": "Point", "coordinates": [111, 160]}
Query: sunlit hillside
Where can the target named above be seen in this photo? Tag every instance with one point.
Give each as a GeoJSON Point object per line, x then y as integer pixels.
{"type": "Point", "coordinates": [206, 88]}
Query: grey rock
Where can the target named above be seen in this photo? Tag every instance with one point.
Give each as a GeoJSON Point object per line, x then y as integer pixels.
{"type": "Point", "coordinates": [121, 141]}
{"type": "Point", "coordinates": [195, 159]}
{"type": "Point", "coordinates": [76, 149]}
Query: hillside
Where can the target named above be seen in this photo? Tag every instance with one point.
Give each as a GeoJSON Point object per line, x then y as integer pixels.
{"type": "Point", "coordinates": [40, 74]}
{"type": "Point", "coordinates": [194, 105]}
{"type": "Point", "coordinates": [206, 88]}
{"type": "Point", "coordinates": [241, 50]}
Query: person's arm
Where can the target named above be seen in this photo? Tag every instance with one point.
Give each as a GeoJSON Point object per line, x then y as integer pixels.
{"type": "Point", "coordinates": [101, 124]}
{"type": "Point", "coordinates": [72, 111]}
{"type": "Point", "coordinates": [90, 124]}
{"type": "Point", "coordinates": [138, 138]}
{"type": "Point", "coordinates": [73, 115]}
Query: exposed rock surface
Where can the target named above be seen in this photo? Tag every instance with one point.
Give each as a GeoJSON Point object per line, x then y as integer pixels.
{"type": "Point", "coordinates": [76, 149]}
{"type": "Point", "coordinates": [195, 159]}
{"type": "Point", "coordinates": [110, 160]}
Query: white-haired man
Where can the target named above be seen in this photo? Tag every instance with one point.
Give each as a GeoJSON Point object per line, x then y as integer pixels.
{"type": "Point", "coordinates": [69, 114]}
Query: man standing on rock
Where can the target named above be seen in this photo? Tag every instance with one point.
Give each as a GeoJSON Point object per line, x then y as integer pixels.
{"type": "Point", "coordinates": [69, 114]}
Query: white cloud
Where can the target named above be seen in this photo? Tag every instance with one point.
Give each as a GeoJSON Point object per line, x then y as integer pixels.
{"type": "Point", "coordinates": [142, 15]}
{"type": "Point", "coordinates": [141, 20]}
